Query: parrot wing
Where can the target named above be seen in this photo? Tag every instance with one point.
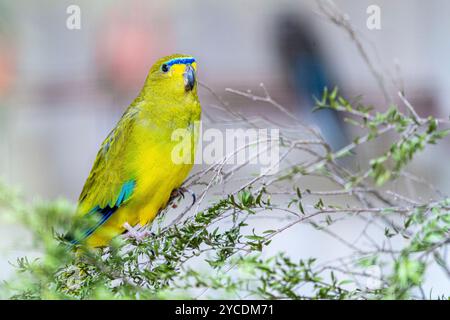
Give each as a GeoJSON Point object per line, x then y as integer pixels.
{"type": "Point", "coordinates": [109, 184]}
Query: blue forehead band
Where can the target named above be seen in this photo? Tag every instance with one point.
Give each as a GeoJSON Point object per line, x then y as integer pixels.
{"type": "Point", "coordinates": [182, 60]}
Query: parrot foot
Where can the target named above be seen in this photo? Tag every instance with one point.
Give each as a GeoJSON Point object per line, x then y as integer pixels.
{"type": "Point", "coordinates": [180, 193]}
{"type": "Point", "coordinates": [135, 233]}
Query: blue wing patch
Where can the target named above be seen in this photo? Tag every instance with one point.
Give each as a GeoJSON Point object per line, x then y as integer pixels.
{"type": "Point", "coordinates": [105, 213]}
{"type": "Point", "coordinates": [125, 192]}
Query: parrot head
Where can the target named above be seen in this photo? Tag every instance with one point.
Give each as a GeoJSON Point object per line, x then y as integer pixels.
{"type": "Point", "coordinates": [174, 75]}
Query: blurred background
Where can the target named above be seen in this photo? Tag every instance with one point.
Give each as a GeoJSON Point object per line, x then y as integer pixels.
{"type": "Point", "coordinates": [62, 90]}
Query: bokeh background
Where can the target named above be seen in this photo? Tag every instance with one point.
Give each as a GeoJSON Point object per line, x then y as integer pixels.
{"type": "Point", "coordinates": [61, 90]}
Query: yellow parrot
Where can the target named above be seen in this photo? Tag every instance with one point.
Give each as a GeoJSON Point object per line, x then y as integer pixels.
{"type": "Point", "coordinates": [136, 168]}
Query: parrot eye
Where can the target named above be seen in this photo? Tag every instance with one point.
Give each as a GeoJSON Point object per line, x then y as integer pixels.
{"type": "Point", "coordinates": [165, 67]}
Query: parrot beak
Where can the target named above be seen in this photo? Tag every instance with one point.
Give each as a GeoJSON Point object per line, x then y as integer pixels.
{"type": "Point", "coordinates": [189, 78]}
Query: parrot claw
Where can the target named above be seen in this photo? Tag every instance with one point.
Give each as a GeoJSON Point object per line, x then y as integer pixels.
{"type": "Point", "coordinates": [134, 233]}
{"type": "Point", "coordinates": [180, 193]}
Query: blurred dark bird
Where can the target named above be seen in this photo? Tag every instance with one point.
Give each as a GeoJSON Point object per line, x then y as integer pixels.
{"type": "Point", "coordinates": [308, 74]}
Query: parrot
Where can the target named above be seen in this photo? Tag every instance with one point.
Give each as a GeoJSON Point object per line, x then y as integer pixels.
{"type": "Point", "coordinates": [137, 168]}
